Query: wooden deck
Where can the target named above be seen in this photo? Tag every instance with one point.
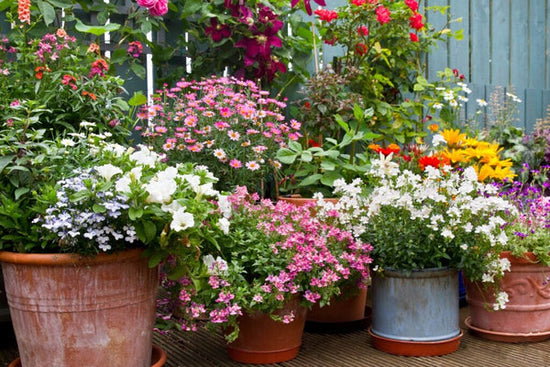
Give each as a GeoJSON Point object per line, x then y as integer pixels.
{"type": "Point", "coordinates": [342, 350]}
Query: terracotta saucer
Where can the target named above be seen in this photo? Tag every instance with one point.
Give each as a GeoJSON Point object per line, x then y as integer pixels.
{"type": "Point", "coordinates": [507, 337]}
{"type": "Point", "coordinates": [415, 348]}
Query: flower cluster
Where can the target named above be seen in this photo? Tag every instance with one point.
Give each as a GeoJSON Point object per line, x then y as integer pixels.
{"type": "Point", "coordinates": [483, 156]}
{"type": "Point", "coordinates": [227, 124]}
{"type": "Point", "coordinates": [528, 232]}
{"type": "Point", "coordinates": [70, 82]}
{"type": "Point", "coordinates": [127, 198]}
{"type": "Point", "coordinates": [441, 217]}
{"type": "Point", "coordinates": [270, 253]}
{"type": "Point", "coordinates": [155, 7]}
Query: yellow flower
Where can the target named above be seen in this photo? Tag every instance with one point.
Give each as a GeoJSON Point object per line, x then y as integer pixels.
{"type": "Point", "coordinates": [454, 138]}
{"type": "Point", "coordinates": [455, 155]}
{"type": "Point", "coordinates": [471, 142]}
{"type": "Point", "coordinates": [484, 172]}
{"type": "Point", "coordinates": [502, 173]}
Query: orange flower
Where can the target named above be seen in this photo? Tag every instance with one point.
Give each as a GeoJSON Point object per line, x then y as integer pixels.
{"type": "Point", "coordinates": [375, 147]}
{"type": "Point", "coordinates": [433, 128]}
{"type": "Point", "coordinates": [93, 48]}
{"type": "Point", "coordinates": [100, 64]}
{"type": "Point", "coordinates": [39, 71]}
{"type": "Point", "coordinates": [61, 33]}
{"type": "Point", "coordinates": [24, 11]}
{"type": "Point", "coordinates": [89, 94]}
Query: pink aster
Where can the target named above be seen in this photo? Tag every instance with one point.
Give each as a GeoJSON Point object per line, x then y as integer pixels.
{"type": "Point", "coordinates": [235, 163]}
{"type": "Point", "coordinates": [252, 165]}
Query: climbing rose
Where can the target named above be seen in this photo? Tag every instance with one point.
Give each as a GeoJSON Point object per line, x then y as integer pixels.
{"type": "Point", "coordinates": [383, 15]}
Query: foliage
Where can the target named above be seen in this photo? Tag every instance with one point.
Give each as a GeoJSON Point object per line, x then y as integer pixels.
{"type": "Point", "coordinates": [229, 125]}
{"type": "Point", "coordinates": [126, 198]}
{"type": "Point", "coordinates": [242, 38]}
{"type": "Point", "coordinates": [68, 81]}
{"type": "Point", "coordinates": [326, 94]}
{"type": "Point", "coordinates": [306, 171]}
{"type": "Point", "coordinates": [386, 41]}
{"type": "Point", "coordinates": [269, 252]}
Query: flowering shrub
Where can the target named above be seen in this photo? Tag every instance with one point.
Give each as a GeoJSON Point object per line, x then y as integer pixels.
{"type": "Point", "coordinates": [268, 253]}
{"type": "Point", "coordinates": [385, 40]}
{"type": "Point", "coordinates": [227, 124]}
{"type": "Point", "coordinates": [442, 217]}
{"type": "Point", "coordinates": [127, 198]}
{"type": "Point", "coordinates": [70, 82]}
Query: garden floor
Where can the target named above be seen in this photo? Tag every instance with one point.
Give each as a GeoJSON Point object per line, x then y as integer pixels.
{"type": "Point", "coordinates": [326, 349]}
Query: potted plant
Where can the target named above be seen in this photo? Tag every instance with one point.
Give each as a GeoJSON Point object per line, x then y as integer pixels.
{"type": "Point", "coordinates": [525, 316]}
{"type": "Point", "coordinates": [273, 260]}
{"type": "Point", "coordinates": [108, 222]}
{"type": "Point", "coordinates": [425, 221]}
{"type": "Point", "coordinates": [311, 169]}
{"type": "Point", "coordinates": [229, 125]}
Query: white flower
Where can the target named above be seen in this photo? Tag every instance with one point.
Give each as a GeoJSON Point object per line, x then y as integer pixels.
{"type": "Point", "coordinates": [118, 149]}
{"type": "Point", "coordinates": [160, 191]}
{"type": "Point", "coordinates": [68, 142]}
{"type": "Point", "coordinates": [87, 124]}
{"type": "Point", "coordinates": [453, 103]}
{"type": "Point", "coordinates": [385, 166]}
{"type": "Point", "coordinates": [505, 264]}
{"type": "Point", "coordinates": [173, 207]}
{"type": "Point", "coordinates": [207, 189]}
{"type": "Point", "coordinates": [216, 266]}
{"type": "Point", "coordinates": [107, 171]}
{"type": "Point", "coordinates": [181, 220]}
{"type": "Point", "coordinates": [224, 223]}
{"type": "Point", "coordinates": [438, 139]}
{"type": "Point", "coordinates": [224, 205]}
{"type": "Point", "coordinates": [447, 233]}
{"type": "Point", "coordinates": [437, 106]}
{"type": "Point", "coordinates": [145, 157]}
{"type": "Point", "coordinates": [500, 302]}
{"type": "Point", "coordinates": [481, 102]}
{"type": "Point", "coordinates": [448, 95]}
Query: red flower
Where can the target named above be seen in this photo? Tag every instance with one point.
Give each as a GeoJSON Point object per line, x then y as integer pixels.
{"type": "Point", "coordinates": [431, 160]}
{"type": "Point", "coordinates": [415, 21]}
{"type": "Point", "coordinates": [383, 14]}
{"type": "Point", "coordinates": [455, 72]}
{"type": "Point", "coordinates": [307, 105]}
{"type": "Point", "coordinates": [358, 2]}
{"type": "Point", "coordinates": [313, 143]}
{"type": "Point", "coordinates": [363, 30]}
{"type": "Point", "coordinates": [217, 31]}
{"type": "Point", "coordinates": [331, 41]}
{"type": "Point", "coordinates": [406, 158]}
{"type": "Point", "coordinates": [412, 4]}
{"type": "Point", "coordinates": [361, 49]}
{"type": "Point", "coordinates": [413, 37]}
{"type": "Point", "coordinates": [39, 71]}
{"type": "Point", "coordinates": [326, 15]}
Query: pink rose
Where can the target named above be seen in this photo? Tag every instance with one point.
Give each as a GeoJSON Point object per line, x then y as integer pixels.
{"type": "Point", "coordinates": [160, 8]}
{"type": "Point", "coordinates": [147, 3]}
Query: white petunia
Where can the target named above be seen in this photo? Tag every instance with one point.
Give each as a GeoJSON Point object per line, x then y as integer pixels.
{"type": "Point", "coordinates": [224, 223]}
{"type": "Point", "coordinates": [181, 220]}
{"type": "Point", "coordinates": [160, 191]}
{"type": "Point", "coordinates": [107, 171]}
{"type": "Point", "coordinates": [145, 157]}
{"type": "Point", "coordinates": [438, 139]}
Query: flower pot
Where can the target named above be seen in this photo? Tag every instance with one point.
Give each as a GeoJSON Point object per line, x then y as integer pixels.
{"type": "Point", "coordinates": [4, 309]}
{"type": "Point", "coordinates": [158, 358]}
{"type": "Point", "coordinates": [526, 317]}
{"type": "Point", "coordinates": [416, 314]}
{"type": "Point", "coordinates": [263, 340]}
{"type": "Point", "coordinates": [69, 311]}
{"type": "Point", "coordinates": [343, 314]}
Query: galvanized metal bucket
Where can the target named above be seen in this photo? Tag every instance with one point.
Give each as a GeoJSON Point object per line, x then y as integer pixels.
{"type": "Point", "coordinates": [420, 306]}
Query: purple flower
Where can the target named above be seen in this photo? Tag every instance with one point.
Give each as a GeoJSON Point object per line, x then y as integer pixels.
{"type": "Point", "coordinates": [217, 31]}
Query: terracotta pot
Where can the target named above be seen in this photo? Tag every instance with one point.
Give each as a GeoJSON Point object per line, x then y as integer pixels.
{"type": "Point", "coordinates": [262, 340]}
{"type": "Point", "coordinates": [526, 317]}
{"type": "Point", "coordinates": [158, 358]}
{"type": "Point", "coordinates": [340, 309]}
{"type": "Point", "coordinates": [69, 311]}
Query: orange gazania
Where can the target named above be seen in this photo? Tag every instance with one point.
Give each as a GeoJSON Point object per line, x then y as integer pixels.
{"type": "Point", "coordinates": [89, 94]}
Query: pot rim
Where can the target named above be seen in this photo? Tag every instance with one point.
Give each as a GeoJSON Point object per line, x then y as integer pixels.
{"type": "Point", "coordinates": [56, 259]}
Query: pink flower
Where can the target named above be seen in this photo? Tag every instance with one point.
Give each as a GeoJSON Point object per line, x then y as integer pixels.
{"type": "Point", "coordinates": [160, 8]}
{"type": "Point", "coordinates": [412, 4]}
{"type": "Point", "coordinates": [146, 3]}
{"type": "Point", "coordinates": [415, 21]}
{"type": "Point", "coordinates": [363, 31]}
{"type": "Point", "coordinates": [326, 15]}
{"type": "Point", "coordinates": [217, 31]}
{"type": "Point", "coordinates": [253, 165]}
{"type": "Point", "coordinates": [235, 163]}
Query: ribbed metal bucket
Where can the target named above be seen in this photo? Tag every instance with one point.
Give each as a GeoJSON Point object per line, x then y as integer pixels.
{"type": "Point", "coordinates": [420, 306]}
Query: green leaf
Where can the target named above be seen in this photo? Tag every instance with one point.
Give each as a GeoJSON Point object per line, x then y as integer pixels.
{"type": "Point", "coordinates": [96, 30]}
{"type": "Point", "coordinates": [286, 156]}
{"type": "Point", "coordinates": [61, 4]}
{"type": "Point", "coordinates": [139, 70]}
{"type": "Point", "coordinates": [20, 192]}
{"type": "Point", "coordinates": [48, 12]}
{"type": "Point", "coordinates": [138, 99]}
{"type": "Point", "coordinates": [329, 178]}
{"type": "Point", "coordinates": [306, 156]}
{"type": "Point", "coordinates": [295, 146]}
{"type": "Point", "coordinates": [358, 112]}
{"type": "Point", "coordinates": [118, 56]}
{"type": "Point", "coordinates": [310, 180]}
{"type": "Point", "coordinates": [135, 213]}
{"type": "Point", "coordinates": [98, 208]}
{"type": "Point", "coordinates": [328, 166]}
{"type": "Point", "coordinates": [4, 161]}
